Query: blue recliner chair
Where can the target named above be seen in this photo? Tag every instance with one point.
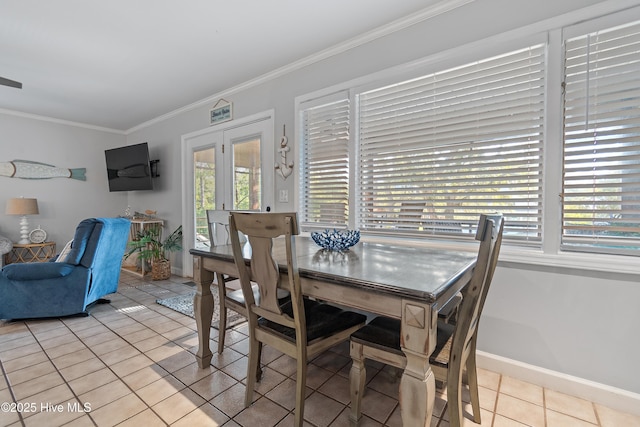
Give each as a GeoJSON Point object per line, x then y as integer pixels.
{"type": "Point", "coordinates": [54, 289]}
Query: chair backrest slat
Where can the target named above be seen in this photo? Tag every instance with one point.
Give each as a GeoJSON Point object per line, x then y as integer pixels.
{"type": "Point", "coordinates": [261, 229]}
{"type": "Point", "coordinates": [218, 224]}
{"type": "Point", "coordinates": [265, 272]}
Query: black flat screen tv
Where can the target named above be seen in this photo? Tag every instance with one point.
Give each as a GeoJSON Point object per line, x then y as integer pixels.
{"type": "Point", "coordinates": [129, 168]}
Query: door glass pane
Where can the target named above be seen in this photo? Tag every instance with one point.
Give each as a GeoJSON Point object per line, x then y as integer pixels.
{"type": "Point", "coordinates": [204, 182]}
{"type": "Point", "coordinates": [246, 175]}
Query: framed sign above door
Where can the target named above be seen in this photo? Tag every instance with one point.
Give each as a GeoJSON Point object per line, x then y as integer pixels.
{"type": "Point", "coordinates": [221, 112]}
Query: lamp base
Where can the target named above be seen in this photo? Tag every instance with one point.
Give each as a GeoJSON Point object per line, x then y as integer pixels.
{"type": "Point", "coordinates": [24, 231]}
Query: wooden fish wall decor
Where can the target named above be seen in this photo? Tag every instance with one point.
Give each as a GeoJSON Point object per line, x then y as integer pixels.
{"type": "Point", "coordinates": [26, 169]}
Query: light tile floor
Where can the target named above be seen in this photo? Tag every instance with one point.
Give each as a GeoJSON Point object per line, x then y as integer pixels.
{"type": "Point", "coordinates": [131, 363]}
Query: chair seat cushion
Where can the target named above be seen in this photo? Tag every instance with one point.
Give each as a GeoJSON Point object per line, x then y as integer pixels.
{"type": "Point", "coordinates": [384, 333]}
{"type": "Point", "coordinates": [323, 320]}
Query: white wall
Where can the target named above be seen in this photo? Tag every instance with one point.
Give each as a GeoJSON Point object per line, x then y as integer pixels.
{"type": "Point", "coordinates": [62, 202]}
{"type": "Point", "coordinates": [571, 321]}
{"type": "Point", "coordinates": [580, 323]}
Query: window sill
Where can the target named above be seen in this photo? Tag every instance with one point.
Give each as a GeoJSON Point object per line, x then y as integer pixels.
{"type": "Point", "coordinates": [583, 261]}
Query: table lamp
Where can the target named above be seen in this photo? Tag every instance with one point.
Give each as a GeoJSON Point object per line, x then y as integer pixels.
{"type": "Point", "coordinates": [22, 206]}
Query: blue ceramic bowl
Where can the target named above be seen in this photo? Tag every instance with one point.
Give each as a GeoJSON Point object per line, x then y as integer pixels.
{"type": "Point", "coordinates": [336, 240]}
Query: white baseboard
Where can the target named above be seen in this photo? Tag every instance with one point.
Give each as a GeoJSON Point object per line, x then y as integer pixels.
{"type": "Point", "coordinates": [612, 397]}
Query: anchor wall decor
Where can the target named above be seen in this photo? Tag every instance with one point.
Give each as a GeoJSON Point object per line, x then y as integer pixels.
{"type": "Point", "coordinates": [285, 168]}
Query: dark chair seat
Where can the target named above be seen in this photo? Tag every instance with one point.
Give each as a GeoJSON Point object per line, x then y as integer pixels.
{"type": "Point", "coordinates": [323, 320]}
{"type": "Point", "coordinates": [449, 312]}
{"type": "Point", "coordinates": [383, 333]}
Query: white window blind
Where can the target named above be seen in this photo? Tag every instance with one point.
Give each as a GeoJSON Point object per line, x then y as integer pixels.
{"type": "Point", "coordinates": [437, 151]}
{"type": "Point", "coordinates": [324, 183]}
{"type": "Point", "coordinates": [601, 180]}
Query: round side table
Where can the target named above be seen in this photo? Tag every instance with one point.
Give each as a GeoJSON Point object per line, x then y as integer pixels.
{"type": "Point", "coordinates": [31, 252]}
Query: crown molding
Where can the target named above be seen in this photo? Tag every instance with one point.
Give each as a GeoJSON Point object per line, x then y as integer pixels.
{"type": "Point", "coordinates": [60, 121]}
{"type": "Point", "coordinates": [390, 28]}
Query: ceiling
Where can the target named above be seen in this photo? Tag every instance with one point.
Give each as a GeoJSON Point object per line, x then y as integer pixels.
{"type": "Point", "coordinates": [117, 64]}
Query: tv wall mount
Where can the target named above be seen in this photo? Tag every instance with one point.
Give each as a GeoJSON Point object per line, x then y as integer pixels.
{"type": "Point", "coordinates": [153, 167]}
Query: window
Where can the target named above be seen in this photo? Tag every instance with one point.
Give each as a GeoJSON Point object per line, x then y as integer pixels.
{"type": "Point", "coordinates": [437, 151]}
{"type": "Point", "coordinates": [325, 152]}
{"type": "Point", "coordinates": [247, 188]}
{"type": "Point", "coordinates": [601, 179]}
{"type": "Point", "coordinates": [204, 190]}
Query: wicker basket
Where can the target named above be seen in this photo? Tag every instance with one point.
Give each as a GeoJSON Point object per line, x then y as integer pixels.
{"type": "Point", "coordinates": [161, 270]}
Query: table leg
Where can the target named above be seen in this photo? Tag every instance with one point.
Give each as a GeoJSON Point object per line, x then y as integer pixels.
{"type": "Point", "coordinates": [418, 384]}
{"type": "Point", "coordinates": [417, 392]}
{"type": "Point", "coordinates": [203, 311]}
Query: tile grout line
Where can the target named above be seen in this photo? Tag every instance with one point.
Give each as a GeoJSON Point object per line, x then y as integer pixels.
{"type": "Point", "coordinates": [172, 341]}
{"type": "Point", "coordinates": [99, 358]}
{"type": "Point", "coordinates": [56, 367]}
{"type": "Point", "coordinates": [140, 352]}
{"type": "Point", "coordinates": [231, 418]}
{"type": "Point", "coordinates": [13, 396]}
{"type": "Point", "coordinates": [544, 405]}
{"type": "Point", "coordinates": [169, 373]}
{"type": "Point", "coordinates": [595, 410]}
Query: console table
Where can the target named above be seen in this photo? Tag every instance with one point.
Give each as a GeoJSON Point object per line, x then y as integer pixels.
{"type": "Point", "coordinates": [31, 252]}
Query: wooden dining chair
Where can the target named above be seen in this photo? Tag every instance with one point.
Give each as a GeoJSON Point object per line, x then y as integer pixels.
{"type": "Point", "coordinates": [218, 223]}
{"type": "Point", "coordinates": [229, 291]}
{"type": "Point", "coordinates": [456, 344]}
{"type": "Point", "coordinates": [301, 328]}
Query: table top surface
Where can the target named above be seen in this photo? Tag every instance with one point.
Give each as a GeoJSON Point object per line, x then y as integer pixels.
{"type": "Point", "coordinates": [423, 273]}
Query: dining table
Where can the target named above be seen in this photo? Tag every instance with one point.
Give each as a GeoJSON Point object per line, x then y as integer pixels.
{"type": "Point", "coordinates": [403, 281]}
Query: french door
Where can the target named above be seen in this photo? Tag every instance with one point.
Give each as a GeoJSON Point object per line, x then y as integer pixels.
{"type": "Point", "coordinates": [226, 167]}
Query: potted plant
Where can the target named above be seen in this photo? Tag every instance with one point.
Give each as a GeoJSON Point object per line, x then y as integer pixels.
{"type": "Point", "coordinates": [151, 248]}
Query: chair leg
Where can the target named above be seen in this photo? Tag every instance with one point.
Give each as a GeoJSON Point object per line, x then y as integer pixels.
{"type": "Point", "coordinates": [253, 365]}
{"type": "Point", "coordinates": [222, 323]}
{"type": "Point", "coordinates": [357, 377]}
{"type": "Point", "coordinates": [472, 381]}
{"type": "Point", "coordinates": [301, 384]}
{"type": "Point", "coordinates": [454, 393]}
